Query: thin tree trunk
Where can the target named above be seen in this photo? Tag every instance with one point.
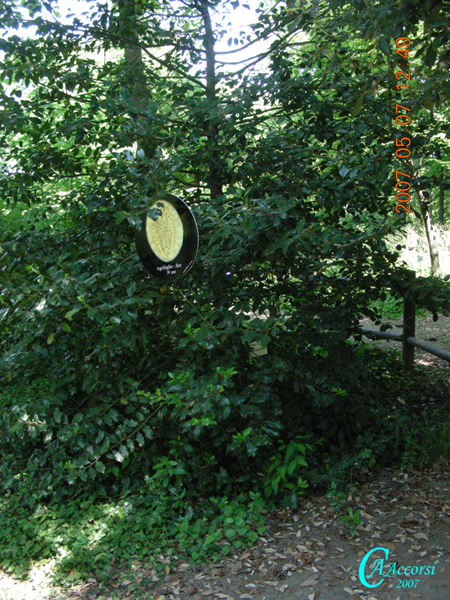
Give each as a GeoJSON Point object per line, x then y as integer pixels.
{"type": "Point", "coordinates": [214, 176]}
{"type": "Point", "coordinates": [441, 198]}
{"type": "Point", "coordinates": [136, 72]}
{"type": "Point", "coordinates": [430, 230]}
{"type": "Point", "coordinates": [431, 234]}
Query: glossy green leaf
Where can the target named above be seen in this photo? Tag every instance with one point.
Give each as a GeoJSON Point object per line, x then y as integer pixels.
{"type": "Point", "coordinates": [430, 57]}
{"type": "Point", "coordinates": [344, 170]}
{"type": "Point", "coordinates": [358, 106]}
{"type": "Point", "coordinates": [384, 45]}
{"type": "Point", "coordinates": [70, 313]}
{"type": "Point", "coordinates": [100, 467]}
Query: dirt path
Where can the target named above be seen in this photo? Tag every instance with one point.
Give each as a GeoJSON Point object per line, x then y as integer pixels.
{"type": "Point", "coordinates": [311, 554]}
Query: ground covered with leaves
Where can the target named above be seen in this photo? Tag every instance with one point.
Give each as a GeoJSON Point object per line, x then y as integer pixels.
{"type": "Point", "coordinates": [310, 515]}
{"type": "Point", "coordinates": [313, 552]}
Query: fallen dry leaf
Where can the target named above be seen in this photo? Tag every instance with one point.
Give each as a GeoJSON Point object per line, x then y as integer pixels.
{"type": "Point", "coordinates": [311, 581]}
{"type": "Point", "coordinates": [366, 515]}
{"type": "Point", "coordinates": [390, 546]}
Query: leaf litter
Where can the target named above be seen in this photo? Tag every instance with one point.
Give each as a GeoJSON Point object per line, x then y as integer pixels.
{"type": "Point", "coordinates": [310, 553]}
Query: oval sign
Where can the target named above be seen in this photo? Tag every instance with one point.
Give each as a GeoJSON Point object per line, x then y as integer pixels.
{"type": "Point", "coordinates": [167, 239]}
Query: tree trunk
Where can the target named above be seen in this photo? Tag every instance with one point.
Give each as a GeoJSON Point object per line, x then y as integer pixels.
{"type": "Point", "coordinates": [136, 72]}
{"type": "Point", "coordinates": [431, 234]}
{"type": "Point", "coordinates": [441, 198]}
{"type": "Point", "coordinates": [214, 175]}
{"type": "Point", "coordinates": [430, 230]}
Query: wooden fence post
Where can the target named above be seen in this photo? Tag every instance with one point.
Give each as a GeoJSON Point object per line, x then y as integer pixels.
{"type": "Point", "coordinates": [409, 330]}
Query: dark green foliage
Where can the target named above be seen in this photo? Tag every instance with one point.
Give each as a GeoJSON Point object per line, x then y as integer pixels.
{"type": "Point", "coordinates": [89, 537]}
{"type": "Point", "coordinates": [115, 385]}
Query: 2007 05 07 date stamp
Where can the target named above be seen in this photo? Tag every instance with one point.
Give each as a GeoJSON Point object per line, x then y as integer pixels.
{"type": "Point", "coordinates": [402, 143]}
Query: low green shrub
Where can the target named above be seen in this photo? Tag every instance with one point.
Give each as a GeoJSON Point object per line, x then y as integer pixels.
{"type": "Point", "coordinates": [86, 536]}
{"type": "Point", "coordinates": [283, 474]}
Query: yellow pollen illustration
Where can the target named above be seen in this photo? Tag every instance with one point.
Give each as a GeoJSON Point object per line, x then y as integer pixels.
{"type": "Point", "coordinates": [165, 235]}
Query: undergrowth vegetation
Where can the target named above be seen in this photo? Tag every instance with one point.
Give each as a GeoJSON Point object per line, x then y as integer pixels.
{"type": "Point", "coordinates": [136, 422]}
{"type": "Point", "coordinates": [192, 492]}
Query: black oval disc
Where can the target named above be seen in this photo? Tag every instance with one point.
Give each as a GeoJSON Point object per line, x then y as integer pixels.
{"type": "Point", "coordinates": [167, 239]}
